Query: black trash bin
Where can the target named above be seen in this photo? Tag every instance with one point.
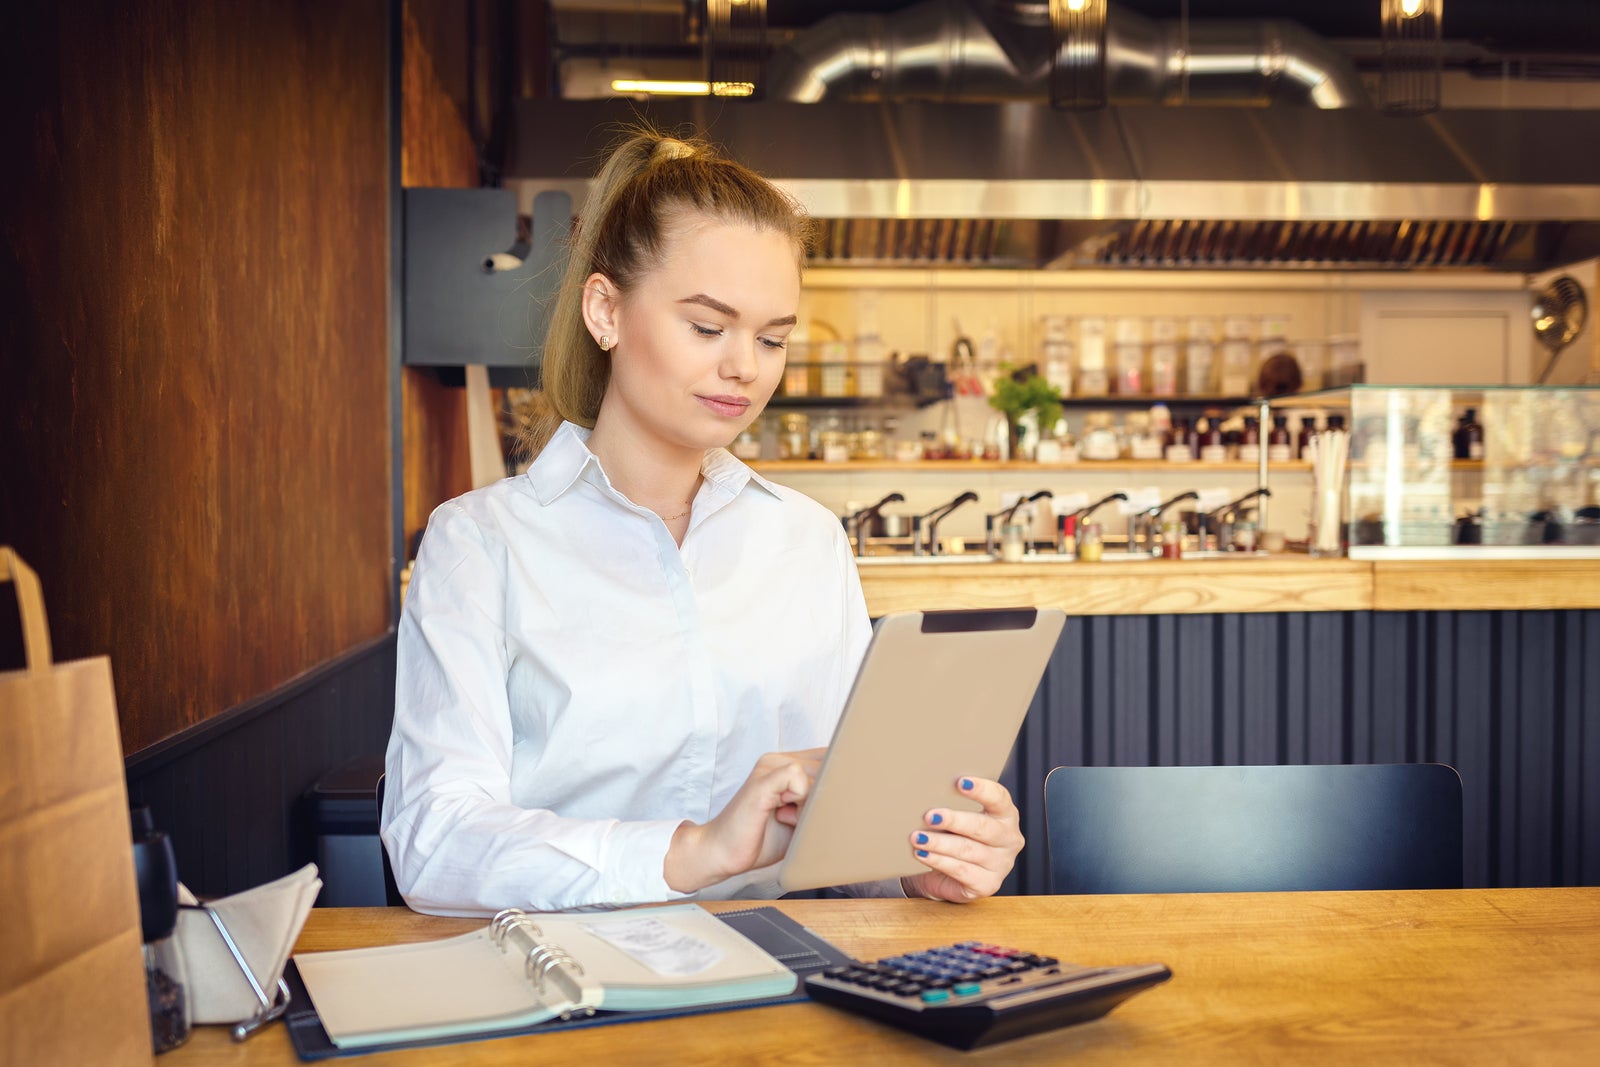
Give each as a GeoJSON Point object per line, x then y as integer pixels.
{"type": "Point", "coordinates": [344, 814]}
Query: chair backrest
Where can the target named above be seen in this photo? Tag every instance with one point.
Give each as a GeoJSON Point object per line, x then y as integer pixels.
{"type": "Point", "coordinates": [391, 891]}
{"type": "Point", "coordinates": [1242, 829]}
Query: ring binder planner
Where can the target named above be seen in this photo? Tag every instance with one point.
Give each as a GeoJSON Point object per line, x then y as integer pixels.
{"type": "Point", "coordinates": [802, 952]}
{"type": "Point", "coordinates": [525, 971]}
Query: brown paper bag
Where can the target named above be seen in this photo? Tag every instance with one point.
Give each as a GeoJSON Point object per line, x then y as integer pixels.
{"type": "Point", "coordinates": [72, 988]}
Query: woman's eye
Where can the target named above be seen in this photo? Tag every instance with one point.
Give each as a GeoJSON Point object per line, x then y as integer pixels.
{"type": "Point", "coordinates": [705, 331]}
{"type": "Point", "coordinates": [777, 344]}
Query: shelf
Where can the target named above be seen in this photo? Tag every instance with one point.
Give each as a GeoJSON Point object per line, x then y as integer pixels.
{"type": "Point", "coordinates": [948, 466]}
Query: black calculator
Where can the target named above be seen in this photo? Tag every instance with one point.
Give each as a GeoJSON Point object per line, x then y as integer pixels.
{"type": "Point", "coordinates": [972, 994]}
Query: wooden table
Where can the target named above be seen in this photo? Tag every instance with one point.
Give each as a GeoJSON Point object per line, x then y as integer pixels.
{"type": "Point", "coordinates": [1461, 976]}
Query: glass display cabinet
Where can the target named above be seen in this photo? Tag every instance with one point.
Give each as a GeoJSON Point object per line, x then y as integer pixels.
{"type": "Point", "coordinates": [1491, 471]}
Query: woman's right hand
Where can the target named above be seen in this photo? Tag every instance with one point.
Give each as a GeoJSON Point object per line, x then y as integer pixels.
{"type": "Point", "coordinates": [752, 831]}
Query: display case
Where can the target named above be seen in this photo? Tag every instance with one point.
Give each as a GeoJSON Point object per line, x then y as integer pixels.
{"type": "Point", "coordinates": [1465, 471]}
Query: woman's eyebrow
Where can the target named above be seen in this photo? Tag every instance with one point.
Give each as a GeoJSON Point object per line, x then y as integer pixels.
{"type": "Point", "coordinates": [723, 309]}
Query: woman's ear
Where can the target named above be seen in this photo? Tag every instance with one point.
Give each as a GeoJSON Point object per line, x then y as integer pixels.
{"type": "Point", "coordinates": [600, 306]}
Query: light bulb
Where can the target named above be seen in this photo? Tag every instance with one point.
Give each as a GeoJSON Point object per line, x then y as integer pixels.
{"type": "Point", "coordinates": [1079, 5]}
{"type": "Point", "coordinates": [1410, 9]}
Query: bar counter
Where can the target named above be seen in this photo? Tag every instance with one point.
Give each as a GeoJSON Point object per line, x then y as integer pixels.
{"type": "Point", "coordinates": [1484, 664]}
{"type": "Point", "coordinates": [1284, 582]}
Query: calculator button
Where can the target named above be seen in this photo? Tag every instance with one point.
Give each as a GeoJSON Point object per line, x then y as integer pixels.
{"type": "Point", "coordinates": [935, 996]}
{"type": "Point", "coordinates": [967, 989]}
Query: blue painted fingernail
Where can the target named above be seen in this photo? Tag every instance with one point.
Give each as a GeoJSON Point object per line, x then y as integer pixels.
{"type": "Point", "coordinates": [922, 852]}
{"type": "Point", "coordinates": [937, 819]}
{"type": "Point", "coordinates": [966, 783]}
{"type": "Point", "coordinates": [922, 839]}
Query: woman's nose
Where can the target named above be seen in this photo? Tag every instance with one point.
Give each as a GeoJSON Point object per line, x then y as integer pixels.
{"type": "Point", "coordinates": [741, 361]}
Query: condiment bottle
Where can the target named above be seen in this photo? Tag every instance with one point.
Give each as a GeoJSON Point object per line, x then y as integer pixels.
{"type": "Point", "coordinates": [1468, 437]}
{"type": "Point", "coordinates": [1250, 440]}
{"type": "Point", "coordinates": [1172, 539]}
{"type": "Point", "coordinates": [1308, 430]}
{"type": "Point", "coordinates": [1181, 450]}
{"type": "Point", "coordinates": [1280, 449]}
{"type": "Point", "coordinates": [1211, 447]}
{"type": "Point", "coordinates": [1067, 536]}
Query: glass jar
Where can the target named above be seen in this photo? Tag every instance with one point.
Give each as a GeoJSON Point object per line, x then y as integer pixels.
{"type": "Point", "coordinates": [794, 438]}
{"type": "Point", "coordinates": [1172, 539]}
{"type": "Point", "coordinates": [1091, 543]}
{"type": "Point", "coordinates": [1013, 543]}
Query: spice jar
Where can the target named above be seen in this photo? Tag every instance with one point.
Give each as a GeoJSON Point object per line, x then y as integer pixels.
{"type": "Point", "coordinates": [1091, 546]}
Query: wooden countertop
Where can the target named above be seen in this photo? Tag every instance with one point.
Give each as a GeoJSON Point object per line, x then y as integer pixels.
{"type": "Point", "coordinates": [1265, 583]}
{"type": "Point", "coordinates": [1422, 977]}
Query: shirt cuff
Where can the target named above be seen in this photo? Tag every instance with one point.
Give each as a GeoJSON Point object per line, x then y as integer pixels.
{"type": "Point", "coordinates": [632, 862]}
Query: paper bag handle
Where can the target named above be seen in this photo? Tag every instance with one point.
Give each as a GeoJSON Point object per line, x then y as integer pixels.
{"type": "Point", "coordinates": [30, 601]}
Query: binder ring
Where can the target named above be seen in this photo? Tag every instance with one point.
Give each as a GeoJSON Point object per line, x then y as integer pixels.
{"type": "Point", "coordinates": [542, 958]}
{"type": "Point", "coordinates": [511, 919]}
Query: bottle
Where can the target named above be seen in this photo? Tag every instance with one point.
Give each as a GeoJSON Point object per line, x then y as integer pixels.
{"type": "Point", "coordinates": [166, 980]}
{"type": "Point", "coordinates": [949, 425]}
{"type": "Point", "coordinates": [1469, 436]}
{"type": "Point", "coordinates": [1279, 447]}
{"type": "Point", "coordinates": [1250, 440]}
{"type": "Point", "coordinates": [1181, 449]}
{"type": "Point", "coordinates": [1308, 430]}
{"type": "Point", "coordinates": [1067, 535]}
{"type": "Point", "coordinates": [1212, 449]}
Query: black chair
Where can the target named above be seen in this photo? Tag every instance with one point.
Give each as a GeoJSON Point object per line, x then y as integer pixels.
{"type": "Point", "coordinates": [391, 891]}
{"type": "Point", "coordinates": [1242, 829]}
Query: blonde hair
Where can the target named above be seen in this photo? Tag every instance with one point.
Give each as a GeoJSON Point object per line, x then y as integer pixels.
{"type": "Point", "coordinates": [648, 182]}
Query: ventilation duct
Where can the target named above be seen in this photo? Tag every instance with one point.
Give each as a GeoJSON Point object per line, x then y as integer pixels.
{"type": "Point", "coordinates": [931, 142]}
{"type": "Point", "coordinates": [957, 51]}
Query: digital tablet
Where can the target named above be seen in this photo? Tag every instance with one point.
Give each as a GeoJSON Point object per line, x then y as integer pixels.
{"type": "Point", "coordinates": [939, 694]}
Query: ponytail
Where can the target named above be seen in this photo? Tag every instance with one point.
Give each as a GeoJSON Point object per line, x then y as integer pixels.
{"type": "Point", "coordinates": [648, 182]}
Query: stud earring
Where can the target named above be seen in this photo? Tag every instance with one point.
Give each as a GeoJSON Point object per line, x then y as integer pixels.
{"type": "Point", "coordinates": [605, 342]}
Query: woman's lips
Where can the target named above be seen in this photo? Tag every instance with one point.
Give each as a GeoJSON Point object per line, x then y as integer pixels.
{"type": "Point", "coordinates": [727, 406]}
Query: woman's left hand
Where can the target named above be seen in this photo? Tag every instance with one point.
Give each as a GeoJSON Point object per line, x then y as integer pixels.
{"type": "Point", "coordinates": [969, 853]}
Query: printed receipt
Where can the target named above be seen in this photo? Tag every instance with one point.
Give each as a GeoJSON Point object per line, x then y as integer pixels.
{"type": "Point", "coordinates": [657, 945]}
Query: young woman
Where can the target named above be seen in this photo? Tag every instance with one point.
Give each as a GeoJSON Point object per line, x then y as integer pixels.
{"type": "Point", "coordinates": [616, 670]}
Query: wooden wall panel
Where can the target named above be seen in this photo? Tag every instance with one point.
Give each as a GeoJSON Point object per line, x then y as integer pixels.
{"type": "Point", "coordinates": [194, 292]}
{"type": "Point", "coordinates": [435, 151]}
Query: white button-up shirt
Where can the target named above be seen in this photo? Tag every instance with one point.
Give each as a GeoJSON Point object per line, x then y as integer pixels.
{"type": "Point", "coordinates": [572, 684]}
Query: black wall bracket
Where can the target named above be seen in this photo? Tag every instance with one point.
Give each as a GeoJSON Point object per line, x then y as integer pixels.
{"type": "Point", "coordinates": [467, 298]}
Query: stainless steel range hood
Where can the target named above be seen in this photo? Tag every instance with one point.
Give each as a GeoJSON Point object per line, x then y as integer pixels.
{"type": "Point", "coordinates": [1019, 184]}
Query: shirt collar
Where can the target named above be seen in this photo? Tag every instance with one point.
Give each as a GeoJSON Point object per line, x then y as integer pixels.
{"type": "Point", "coordinates": [566, 456]}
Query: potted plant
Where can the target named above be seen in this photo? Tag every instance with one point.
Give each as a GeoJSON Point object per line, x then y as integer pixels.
{"type": "Point", "coordinates": [1021, 391]}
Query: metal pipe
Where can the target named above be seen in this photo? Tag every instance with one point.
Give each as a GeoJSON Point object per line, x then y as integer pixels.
{"type": "Point", "coordinates": [954, 50]}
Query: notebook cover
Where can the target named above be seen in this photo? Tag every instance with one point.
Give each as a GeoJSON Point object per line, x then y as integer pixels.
{"type": "Point", "coordinates": [796, 947]}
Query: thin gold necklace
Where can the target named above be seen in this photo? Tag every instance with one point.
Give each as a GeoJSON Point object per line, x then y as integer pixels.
{"type": "Point", "coordinates": [674, 518]}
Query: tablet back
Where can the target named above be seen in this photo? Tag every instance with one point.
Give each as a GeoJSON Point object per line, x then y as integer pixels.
{"type": "Point", "coordinates": [939, 695]}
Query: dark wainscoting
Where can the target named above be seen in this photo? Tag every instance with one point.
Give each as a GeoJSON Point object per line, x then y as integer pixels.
{"type": "Point", "coordinates": [231, 791]}
{"type": "Point", "coordinates": [1511, 699]}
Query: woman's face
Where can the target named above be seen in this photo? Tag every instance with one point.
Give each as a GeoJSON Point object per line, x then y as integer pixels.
{"type": "Point", "coordinates": [700, 339]}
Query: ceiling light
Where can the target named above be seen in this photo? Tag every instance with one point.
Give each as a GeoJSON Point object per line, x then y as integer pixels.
{"type": "Point", "coordinates": [1412, 56]}
{"type": "Point", "coordinates": [1078, 53]}
{"type": "Point", "coordinates": [661, 87]}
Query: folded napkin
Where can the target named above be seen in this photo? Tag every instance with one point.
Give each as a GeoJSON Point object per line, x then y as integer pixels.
{"type": "Point", "coordinates": [264, 922]}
